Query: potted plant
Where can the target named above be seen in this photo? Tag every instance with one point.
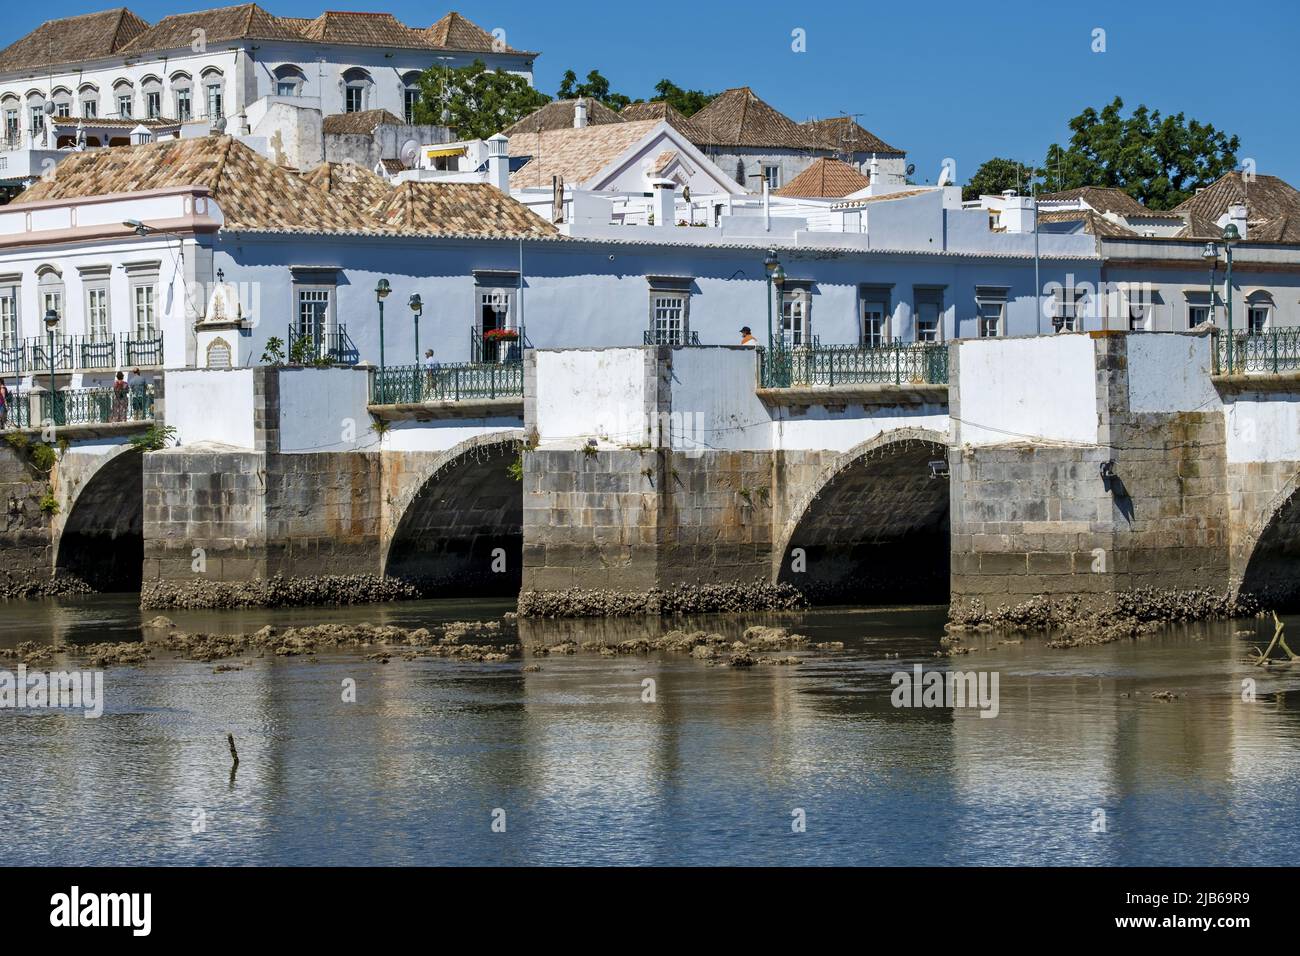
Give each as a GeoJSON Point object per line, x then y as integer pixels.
{"type": "Point", "coordinates": [501, 335]}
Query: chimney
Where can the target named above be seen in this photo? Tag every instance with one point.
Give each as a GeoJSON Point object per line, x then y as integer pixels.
{"type": "Point", "coordinates": [665, 202]}
{"type": "Point", "coordinates": [580, 113]}
{"type": "Point", "coordinates": [141, 135]}
{"type": "Point", "coordinates": [498, 163]}
{"type": "Point", "coordinates": [1237, 217]}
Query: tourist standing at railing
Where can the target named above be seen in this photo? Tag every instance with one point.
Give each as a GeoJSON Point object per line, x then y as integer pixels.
{"type": "Point", "coordinates": [430, 369]}
{"type": "Point", "coordinates": [136, 389]}
{"type": "Point", "coordinates": [118, 414]}
{"type": "Point", "coordinates": [4, 404]}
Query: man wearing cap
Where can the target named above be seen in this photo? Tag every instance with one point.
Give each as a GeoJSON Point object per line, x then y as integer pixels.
{"type": "Point", "coordinates": [746, 338]}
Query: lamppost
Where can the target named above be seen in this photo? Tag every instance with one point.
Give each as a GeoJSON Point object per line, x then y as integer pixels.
{"type": "Point", "coordinates": [417, 308]}
{"type": "Point", "coordinates": [1230, 235]}
{"type": "Point", "coordinates": [1211, 253]}
{"type": "Point", "coordinates": [52, 323]}
{"type": "Point", "coordinates": [381, 293]}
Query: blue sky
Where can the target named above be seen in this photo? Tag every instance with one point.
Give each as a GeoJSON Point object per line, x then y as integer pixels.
{"type": "Point", "coordinates": [939, 79]}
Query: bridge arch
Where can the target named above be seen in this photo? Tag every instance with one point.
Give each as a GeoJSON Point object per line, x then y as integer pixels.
{"type": "Point", "coordinates": [99, 537]}
{"type": "Point", "coordinates": [1269, 552]}
{"type": "Point", "coordinates": [458, 527]}
{"type": "Point", "coordinates": [873, 526]}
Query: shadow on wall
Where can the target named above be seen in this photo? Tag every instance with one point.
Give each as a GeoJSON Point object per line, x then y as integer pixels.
{"type": "Point", "coordinates": [462, 535]}
{"type": "Point", "coordinates": [103, 538]}
{"type": "Point", "coordinates": [877, 533]}
{"type": "Point", "coordinates": [1273, 571]}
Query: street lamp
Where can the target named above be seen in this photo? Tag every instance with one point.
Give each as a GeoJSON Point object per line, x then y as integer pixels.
{"type": "Point", "coordinates": [1211, 253]}
{"type": "Point", "coordinates": [1230, 235]}
{"type": "Point", "coordinates": [52, 323]}
{"type": "Point", "coordinates": [381, 292]}
{"type": "Point", "coordinates": [417, 307]}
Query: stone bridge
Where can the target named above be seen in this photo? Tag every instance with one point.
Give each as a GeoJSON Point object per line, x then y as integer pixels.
{"type": "Point", "coordinates": [1075, 464]}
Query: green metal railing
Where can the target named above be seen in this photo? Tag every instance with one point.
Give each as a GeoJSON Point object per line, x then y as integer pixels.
{"type": "Point", "coordinates": [89, 406]}
{"type": "Point", "coordinates": [828, 365]}
{"type": "Point", "coordinates": [411, 384]}
{"type": "Point", "coordinates": [1265, 352]}
{"type": "Point", "coordinates": [17, 412]}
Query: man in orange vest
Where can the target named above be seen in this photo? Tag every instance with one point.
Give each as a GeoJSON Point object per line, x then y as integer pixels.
{"type": "Point", "coordinates": [746, 338]}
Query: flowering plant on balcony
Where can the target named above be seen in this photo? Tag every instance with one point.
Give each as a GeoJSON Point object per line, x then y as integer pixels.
{"type": "Point", "coordinates": [500, 335]}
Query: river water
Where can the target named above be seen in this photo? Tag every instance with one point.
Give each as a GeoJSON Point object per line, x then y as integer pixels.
{"type": "Point", "coordinates": [807, 764]}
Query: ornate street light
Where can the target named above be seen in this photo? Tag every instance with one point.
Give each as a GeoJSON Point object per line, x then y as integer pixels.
{"type": "Point", "coordinates": [52, 323]}
{"type": "Point", "coordinates": [381, 292]}
{"type": "Point", "coordinates": [417, 308]}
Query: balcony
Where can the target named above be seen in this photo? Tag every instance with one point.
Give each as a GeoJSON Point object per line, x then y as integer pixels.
{"type": "Point", "coordinates": [499, 346]}
{"type": "Point", "coordinates": [79, 353]}
{"type": "Point", "coordinates": [667, 337]}
{"type": "Point", "coordinates": [1261, 353]}
{"type": "Point", "coordinates": [475, 381]}
{"type": "Point", "coordinates": [322, 347]}
{"type": "Point", "coordinates": [818, 365]}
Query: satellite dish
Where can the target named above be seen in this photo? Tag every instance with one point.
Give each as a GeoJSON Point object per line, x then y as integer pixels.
{"type": "Point", "coordinates": [220, 125]}
{"type": "Point", "coordinates": [48, 108]}
{"type": "Point", "coordinates": [911, 168]}
{"type": "Point", "coordinates": [409, 153]}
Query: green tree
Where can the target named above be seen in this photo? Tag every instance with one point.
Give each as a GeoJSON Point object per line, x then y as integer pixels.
{"type": "Point", "coordinates": [596, 87]}
{"type": "Point", "coordinates": [1158, 160]}
{"type": "Point", "coordinates": [686, 102]}
{"type": "Point", "coordinates": [474, 101]}
{"type": "Point", "coordinates": [998, 175]}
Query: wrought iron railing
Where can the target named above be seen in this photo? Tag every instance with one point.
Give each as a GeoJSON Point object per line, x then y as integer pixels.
{"type": "Point", "coordinates": [64, 352]}
{"type": "Point", "coordinates": [411, 385]}
{"type": "Point", "coordinates": [1277, 350]}
{"type": "Point", "coordinates": [667, 337]}
{"type": "Point", "coordinates": [828, 365]}
{"type": "Point", "coordinates": [12, 358]}
{"type": "Point", "coordinates": [333, 345]}
{"type": "Point", "coordinates": [87, 406]}
{"type": "Point", "coordinates": [95, 351]}
{"type": "Point", "coordinates": [140, 350]}
{"type": "Point", "coordinates": [502, 346]}
{"type": "Point", "coordinates": [17, 410]}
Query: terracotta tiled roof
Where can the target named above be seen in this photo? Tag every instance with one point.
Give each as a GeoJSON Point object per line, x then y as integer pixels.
{"type": "Point", "coordinates": [363, 29]}
{"type": "Point", "coordinates": [73, 39]}
{"type": "Point", "coordinates": [350, 184]}
{"type": "Point", "coordinates": [739, 118]}
{"type": "Point", "coordinates": [1106, 199]}
{"type": "Point", "coordinates": [255, 195]}
{"type": "Point", "coordinates": [245, 22]}
{"type": "Point", "coordinates": [460, 209]}
{"type": "Point", "coordinates": [824, 179]}
{"type": "Point", "coordinates": [575, 154]}
{"type": "Point", "coordinates": [1093, 223]}
{"type": "Point", "coordinates": [454, 32]}
{"type": "Point", "coordinates": [363, 123]}
{"type": "Point", "coordinates": [843, 133]}
{"type": "Point", "coordinates": [559, 115]}
{"type": "Point", "coordinates": [1272, 208]}
{"type": "Point", "coordinates": [115, 122]}
{"type": "Point", "coordinates": [662, 112]}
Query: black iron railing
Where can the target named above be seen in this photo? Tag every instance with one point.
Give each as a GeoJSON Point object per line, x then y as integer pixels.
{"type": "Point", "coordinates": [502, 346]}
{"type": "Point", "coordinates": [138, 350]}
{"type": "Point", "coordinates": [86, 406]}
{"type": "Point", "coordinates": [816, 364]}
{"type": "Point", "coordinates": [17, 409]}
{"type": "Point", "coordinates": [332, 346]}
{"type": "Point", "coordinates": [1269, 352]}
{"type": "Point", "coordinates": [40, 349]}
{"type": "Point", "coordinates": [669, 337]}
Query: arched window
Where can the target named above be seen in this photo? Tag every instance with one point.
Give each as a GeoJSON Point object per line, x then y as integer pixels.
{"type": "Point", "coordinates": [62, 97]}
{"type": "Point", "coordinates": [410, 94]}
{"type": "Point", "coordinates": [50, 294]}
{"type": "Point", "coordinates": [183, 96]}
{"type": "Point", "coordinates": [214, 88]}
{"type": "Point", "coordinates": [356, 90]}
{"type": "Point", "coordinates": [36, 112]}
{"type": "Point", "coordinates": [11, 116]}
{"type": "Point", "coordinates": [151, 88]}
{"type": "Point", "coordinates": [124, 99]}
{"type": "Point", "coordinates": [289, 80]}
{"type": "Point", "coordinates": [1259, 312]}
{"type": "Point", "coordinates": [88, 95]}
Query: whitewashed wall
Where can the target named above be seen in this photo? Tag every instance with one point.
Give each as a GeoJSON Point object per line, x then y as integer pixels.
{"type": "Point", "coordinates": [211, 405]}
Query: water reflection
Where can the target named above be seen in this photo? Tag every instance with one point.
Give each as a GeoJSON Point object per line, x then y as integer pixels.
{"type": "Point", "coordinates": [586, 769]}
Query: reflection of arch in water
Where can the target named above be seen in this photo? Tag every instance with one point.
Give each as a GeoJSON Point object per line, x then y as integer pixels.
{"type": "Point", "coordinates": [1272, 550]}
{"type": "Point", "coordinates": [875, 526]}
{"type": "Point", "coordinates": [102, 540]}
{"type": "Point", "coordinates": [462, 530]}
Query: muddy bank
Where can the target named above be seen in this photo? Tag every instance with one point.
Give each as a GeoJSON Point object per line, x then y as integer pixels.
{"type": "Point", "coordinates": [1071, 622]}
{"type": "Point", "coordinates": [275, 592]}
{"type": "Point", "coordinates": [15, 585]}
{"type": "Point", "coordinates": [711, 648]}
{"type": "Point", "coordinates": [683, 599]}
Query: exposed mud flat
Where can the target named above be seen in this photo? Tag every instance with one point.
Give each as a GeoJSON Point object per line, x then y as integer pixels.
{"type": "Point", "coordinates": [682, 599]}
{"type": "Point", "coordinates": [1071, 622]}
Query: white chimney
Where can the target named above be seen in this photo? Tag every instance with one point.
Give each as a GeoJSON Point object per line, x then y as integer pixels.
{"type": "Point", "coordinates": [498, 163]}
{"type": "Point", "coordinates": [665, 202]}
{"type": "Point", "coordinates": [1237, 217]}
{"type": "Point", "coordinates": [580, 113]}
{"type": "Point", "coordinates": [141, 135]}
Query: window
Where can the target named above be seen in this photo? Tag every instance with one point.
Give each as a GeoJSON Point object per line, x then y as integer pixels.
{"type": "Point", "coordinates": [496, 314]}
{"type": "Point", "coordinates": [354, 101]}
{"type": "Point", "coordinates": [12, 133]}
{"type": "Point", "coordinates": [1197, 315]}
{"type": "Point", "coordinates": [875, 317]}
{"type": "Point", "coordinates": [38, 118]}
{"type": "Point", "coordinates": [97, 313]}
{"type": "Point", "coordinates": [63, 108]}
{"type": "Point", "coordinates": [184, 108]}
{"type": "Point", "coordinates": [142, 297]}
{"type": "Point", "coordinates": [214, 100]}
{"type": "Point", "coordinates": [9, 317]}
{"type": "Point", "coordinates": [313, 314]}
{"type": "Point", "coordinates": [1065, 310]}
{"type": "Point", "coordinates": [52, 301]}
{"type": "Point", "coordinates": [772, 174]}
{"type": "Point", "coordinates": [153, 105]}
{"type": "Point", "coordinates": [124, 105]}
{"type": "Point", "coordinates": [992, 308]}
{"type": "Point", "coordinates": [90, 108]}
{"type": "Point", "coordinates": [289, 80]}
{"type": "Point", "coordinates": [795, 328]}
{"type": "Point", "coordinates": [929, 315]}
{"type": "Point", "coordinates": [409, 98]}
{"type": "Point", "coordinates": [1257, 319]}
{"type": "Point", "coordinates": [668, 318]}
